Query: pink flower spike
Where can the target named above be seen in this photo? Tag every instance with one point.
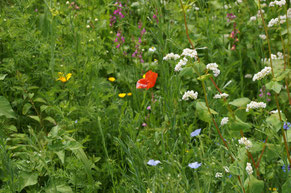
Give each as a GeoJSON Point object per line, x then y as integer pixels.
{"type": "Point", "coordinates": [118, 46]}
{"type": "Point", "coordinates": [116, 40]}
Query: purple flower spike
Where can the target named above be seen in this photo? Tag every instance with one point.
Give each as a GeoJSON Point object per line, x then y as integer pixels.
{"type": "Point", "coordinates": [287, 125]}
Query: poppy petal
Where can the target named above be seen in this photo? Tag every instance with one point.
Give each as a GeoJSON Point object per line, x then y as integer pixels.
{"type": "Point", "coordinates": [142, 83]}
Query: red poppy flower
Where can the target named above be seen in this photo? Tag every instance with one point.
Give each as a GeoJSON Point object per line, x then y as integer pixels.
{"type": "Point", "coordinates": [149, 81]}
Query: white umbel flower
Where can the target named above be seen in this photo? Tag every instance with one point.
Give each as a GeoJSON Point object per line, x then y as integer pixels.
{"type": "Point", "coordinates": [218, 175]}
{"type": "Point", "coordinates": [189, 52]}
{"type": "Point", "coordinates": [249, 168]}
{"type": "Point", "coordinates": [279, 3]}
{"type": "Point", "coordinates": [190, 94]}
{"type": "Point", "coordinates": [255, 105]}
{"type": "Point", "coordinates": [214, 68]}
{"type": "Point", "coordinates": [248, 144]}
{"type": "Point", "coordinates": [224, 121]}
{"type": "Point", "coordinates": [171, 56]}
{"type": "Point", "coordinates": [222, 95]}
{"type": "Point", "coordinates": [260, 75]}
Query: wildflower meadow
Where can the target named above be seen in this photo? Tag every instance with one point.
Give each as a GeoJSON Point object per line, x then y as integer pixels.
{"type": "Point", "coordinates": [145, 96]}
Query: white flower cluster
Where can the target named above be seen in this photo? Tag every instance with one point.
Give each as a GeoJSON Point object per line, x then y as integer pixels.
{"type": "Point", "coordinates": [190, 94]}
{"type": "Point", "coordinates": [245, 142]}
{"type": "Point", "coordinates": [181, 63]}
{"type": "Point", "coordinates": [281, 19]}
{"type": "Point", "coordinates": [226, 169]}
{"type": "Point", "coordinates": [190, 52]}
{"type": "Point", "coordinates": [152, 49]}
{"type": "Point", "coordinates": [255, 105]}
{"type": "Point", "coordinates": [222, 95]}
{"type": "Point", "coordinates": [279, 56]}
{"type": "Point", "coordinates": [263, 36]}
{"type": "Point", "coordinates": [227, 6]}
{"type": "Point", "coordinates": [224, 121]}
{"type": "Point", "coordinates": [254, 18]}
{"type": "Point", "coordinates": [279, 3]}
{"type": "Point", "coordinates": [275, 111]}
{"type": "Point", "coordinates": [171, 56]}
{"type": "Point", "coordinates": [260, 75]}
{"type": "Point", "coordinates": [214, 68]}
{"type": "Point", "coordinates": [248, 76]}
{"type": "Point", "coordinates": [218, 175]}
{"type": "Point", "coordinates": [249, 168]}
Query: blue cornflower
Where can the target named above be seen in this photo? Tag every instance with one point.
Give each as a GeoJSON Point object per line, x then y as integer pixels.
{"type": "Point", "coordinates": [76, 121]}
{"type": "Point", "coordinates": [153, 162]}
{"type": "Point", "coordinates": [195, 133]}
{"type": "Point", "coordinates": [194, 165]}
{"type": "Point", "coordinates": [286, 125]}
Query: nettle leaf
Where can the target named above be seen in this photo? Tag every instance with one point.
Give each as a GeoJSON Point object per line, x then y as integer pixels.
{"type": "Point", "coordinates": [35, 118]}
{"type": "Point", "coordinates": [275, 86]}
{"type": "Point", "coordinates": [240, 102]}
{"type": "Point", "coordinates": [27, 179]}
{"type": "Point", "coordinates": [5, 108]}
{"type": "Point", "coordinates": [254, 185]}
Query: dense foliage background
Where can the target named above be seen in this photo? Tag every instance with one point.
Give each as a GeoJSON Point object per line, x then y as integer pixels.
{"type": "Point", "coordinates": [72, 119]}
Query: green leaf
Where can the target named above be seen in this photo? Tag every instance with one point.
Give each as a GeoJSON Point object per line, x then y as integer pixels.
{"type": "Point", "coordinates": [43, 108]}
{"type": "Point", "coordinates": [2, 76]}
{"type": "Point", "coordinates": [254, 185]}
{"type": "Point", "coordinates": [275, 86]}
{"type": "Point", "coordinates": [187, 71]}
{"type": "Point", "coordinates": [26, 108]}
{"type": "Point", "coordinates": [240, 125]}
{"type": "Point", "coordinates": [274, 120]}
{"type": "Point", "coordinates": [283, 75]}
{"type": "Point", "coordinates": [5, 108]}
{"type": "Point", "coordinates": [40, 100]}
{"type": "Point", "coordinates": [27, 179]}
{"type": "Point", "coordinates": [203, 113]}
{"type": "Point", "coordinates": [62, 188]}
{"type": "Point", "coordinates": [12, 128]}
{"type": "Point", "coordinates": [35, 118]}
{"type": "Point", "coordinates": [240, 102]}
{"type": "Point", "coordinates": [287, 186]}
{"type": "Point", "coordinates": [51, 120]}
{"type": "Point", "coordinates": [200, 67]}
{"type": "Point", "coordinates": [61, 155]}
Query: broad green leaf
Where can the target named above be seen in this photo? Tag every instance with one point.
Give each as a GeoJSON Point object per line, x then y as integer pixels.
{"type": "Point", "coordinates": [200, 67]}
{"type": "Point", "coordinates": [62, 188]}
{"type": "Point", "coordinates": [12, 128]}
{"type": "Point", "coordinates": [26, 108]}
{"type": "Point", "coordinates": [51, 120]}
{"type": "Point", "coordinates": [35, 118]}
{"type": "Point", "coordinates": [274, 120]}
{"type": "Point", "coordinates": [254, 185]}
{"type": "Point", "coordinates": [61, 155]}
{"type": "Point", "coordinates": [2, 76]}
{"type": "Point", "coordinates": [5, 108]}
{"type": "Point", "coordinates": [203, 113]}
{"type": "Point", "coordinates": [275, 86]}
{"type": "Point", "coordinates": [283, 75]}
{"type": "Point", "coordinates": [26, 179]}
{"type": "Point", "coordinates": [43, 108]}
{"type": "Point", "coordinates": [238, 125]}
{"type": "Point", "coordinates": [240, 102]}
{"type": "Point", "coordinates": [187, 71]}
{"type": "Point", "coordinates": [40, 100]}
{"type": "Point", "coordinates": [287, 186]}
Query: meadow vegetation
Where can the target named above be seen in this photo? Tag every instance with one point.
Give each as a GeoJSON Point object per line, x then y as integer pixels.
{"type": "Point", "coordinates": [145, 96]}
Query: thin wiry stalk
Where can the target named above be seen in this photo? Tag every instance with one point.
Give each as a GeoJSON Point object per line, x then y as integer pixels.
{"type": "Point", "coordinates": [276, 95]}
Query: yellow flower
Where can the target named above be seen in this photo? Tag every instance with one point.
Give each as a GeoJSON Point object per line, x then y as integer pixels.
{"type": "Point", "coordinates": [143, 76]}
{"type": "Point", "coordinates": [122, 95]}
{"type": "Point", "coordinates": [149, 191]}
{"type": "Point", "coordinates": [63, 78]}
{"type": "Point", "coordinates": [274, 189]}
{"type": "Point", "coordinates": [111, 79]}
{"type": "Point", "coordinates": [129, 94]}
{"type": "Point", "coordinates": [187, 151]}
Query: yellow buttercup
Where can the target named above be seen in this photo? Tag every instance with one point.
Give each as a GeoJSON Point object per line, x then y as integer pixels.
{"type": "Point", "coordinates": [63, 78]}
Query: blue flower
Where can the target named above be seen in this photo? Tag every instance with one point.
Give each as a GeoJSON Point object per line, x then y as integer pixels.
{"type": "Point", "coordinates": [284, 168]}
{"type": "Point", "coordinates": [195, 133]}
{"type": "Point", "coordinates": [76, 121]}
{"type": "Point", "coordinates": [194, 165]}
{"type": "Point", "coordinates": [287, 125]}
{"type": "Point", "coordinates": [153, 162]}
